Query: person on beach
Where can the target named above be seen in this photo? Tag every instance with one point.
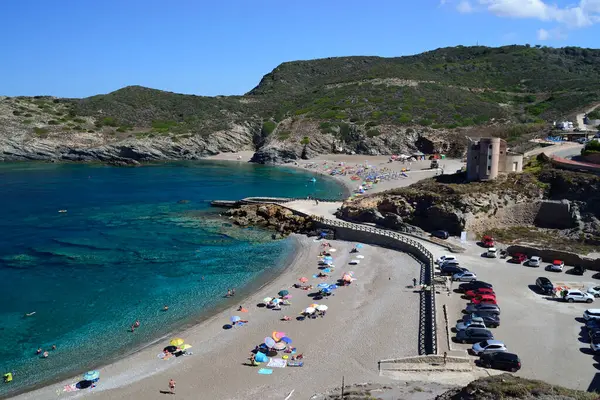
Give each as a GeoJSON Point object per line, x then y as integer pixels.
{"type": "Point", "coordinates": [228, 293]}
{"type": "Point", "coordinates": [172, 386]}
{"type": "Point", "coordinates": [414, 282]}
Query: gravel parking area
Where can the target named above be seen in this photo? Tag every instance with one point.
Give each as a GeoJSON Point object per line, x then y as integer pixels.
{"type": "Point", "coordinates": [547, 334]}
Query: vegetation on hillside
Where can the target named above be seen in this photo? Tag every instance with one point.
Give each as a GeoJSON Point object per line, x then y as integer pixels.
{"type": "Point", "coordinates": [518, 88]}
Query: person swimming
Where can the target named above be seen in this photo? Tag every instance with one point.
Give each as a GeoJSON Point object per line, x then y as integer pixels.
{"type": "Point", "coordinates": [166, 308]}
{"type": "Point", "coordinates": [136, 324]}
{"type": "Point", "coordinates": [45, 354]}
{"type": "Point", "coordinates": [39, 350]}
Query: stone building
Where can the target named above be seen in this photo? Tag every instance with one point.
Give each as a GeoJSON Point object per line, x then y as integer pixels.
{"type": "Point", "coordinates": [489, 157]}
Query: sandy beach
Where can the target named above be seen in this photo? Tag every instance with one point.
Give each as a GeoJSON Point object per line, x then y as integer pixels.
{"type": "Point", "coordinates": [323, 164]}
{"type": "Point", "coordinates": [376, 317]}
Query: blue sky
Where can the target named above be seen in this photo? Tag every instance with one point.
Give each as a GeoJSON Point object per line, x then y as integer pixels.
{"type": "Point", "coordinates": [78, 48]}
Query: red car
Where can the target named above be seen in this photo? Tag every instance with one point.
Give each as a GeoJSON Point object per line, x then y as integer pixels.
{"type": "Point", "coordinates": [487, 241]}
{"type": "Point", "coordinates": [518, 258]}
{"type": "Point", "coordinates": [484, 299]}
{"type": "Point", "coordinates": [479, 291]}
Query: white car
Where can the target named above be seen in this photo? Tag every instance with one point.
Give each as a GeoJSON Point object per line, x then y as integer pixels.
{"type": "Point", "coordinates": [591, 313]}
{"type": "Point", "coordinates": [444, 258]}
{"type": "Point", "coordinates": [448, 263]}
{"type": "Point", "coordinates": [534, 261]}
{"type": "Point", "coordinates": [488, 346]}
{"type": "Point", "coordinates": [466, 276]}
{"type": "Point", "coordinates": [556, 266]}
{"type": "Point", "coordinates": [594, 291]}
{"type": "Point", "coordinates": [577, 295]}
{"type": "Point", "coordinates": [492, 252]}
{"type": "Point", "coordinates": [476, 322]}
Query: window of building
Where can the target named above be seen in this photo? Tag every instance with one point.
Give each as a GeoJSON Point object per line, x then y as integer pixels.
{"type": "Point", "coordinates": [489, 167]}
{"type": "Point", "coordinates": [501, 152]}
{"type": "Point", "coordinates": [490, 157]}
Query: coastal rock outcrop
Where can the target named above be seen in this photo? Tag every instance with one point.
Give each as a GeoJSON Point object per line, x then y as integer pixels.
{"type": "Point", "coordinates": [270, 216]}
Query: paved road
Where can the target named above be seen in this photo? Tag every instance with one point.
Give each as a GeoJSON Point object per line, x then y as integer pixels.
{"type": "Point", "coordinates": [569, 152]}
{"type": "Point", "coordinates": [545, 333]}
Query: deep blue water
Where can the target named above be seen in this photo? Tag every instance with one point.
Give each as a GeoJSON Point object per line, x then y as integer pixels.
{"type": "Point", "coordinates": [125, 248]}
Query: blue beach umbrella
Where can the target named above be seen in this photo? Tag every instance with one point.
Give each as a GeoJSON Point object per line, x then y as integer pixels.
{"type": "Point", "coordinates": [261, 357]}
{"type": "Point", "coordinates": [326, 291]}
{"type": "Point", "coordinates": [323, 285]}
{"type": "Point", "coordinates": [286, 340]}
{"type": "Point", "coordinates": [332, 287]}
{"type": "Point", "coordinates": [234, 319]}
{"type": "Point", "coordinates": [359, 246]}
{"type": "Point", "coordinates": [327, 270]}
{"type": "Point", "coordinates": [91, 375]}
{"type": "Point", "coordinates": [328, 258]}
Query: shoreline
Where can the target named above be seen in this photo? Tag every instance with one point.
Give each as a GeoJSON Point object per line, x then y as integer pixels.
{"type": "Point", "coordinates": [246, 291]}
{"type": "Point", "coordinates": [218, 353]}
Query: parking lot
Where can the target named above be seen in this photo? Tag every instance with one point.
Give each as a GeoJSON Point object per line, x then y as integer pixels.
{"type": "Point", "coordinates": [545, 332]}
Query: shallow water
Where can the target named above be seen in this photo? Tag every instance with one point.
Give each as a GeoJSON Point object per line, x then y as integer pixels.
{"type": "Point", "coordinates": [124, 248]}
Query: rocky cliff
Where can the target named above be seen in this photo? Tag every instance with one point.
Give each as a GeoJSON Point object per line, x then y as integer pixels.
{"type": "Point", "coordinates": [270, 216]}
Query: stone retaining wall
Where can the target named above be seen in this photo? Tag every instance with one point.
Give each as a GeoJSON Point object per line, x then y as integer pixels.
{"type": "Point", "coordinates": [549, 255]}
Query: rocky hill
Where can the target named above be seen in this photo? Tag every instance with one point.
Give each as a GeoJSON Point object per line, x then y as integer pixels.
{"type": "Point", "coordinates": [541, 206]}
{"type": "Point", "coordinates": [367, 105]}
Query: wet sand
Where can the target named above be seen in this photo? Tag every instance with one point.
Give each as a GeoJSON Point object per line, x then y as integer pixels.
{"type": "Point", "coordinates": [374, 318]}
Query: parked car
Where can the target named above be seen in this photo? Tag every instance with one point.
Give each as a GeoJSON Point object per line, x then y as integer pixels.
{"type": "Point", "coordinates": [518, 258]}
{"type": "Point", "coordinates": [501, 360]}
{"type": "Point", "coordinates": [449, 263]}
{"type": "Point", "coordinates": [591, 313]}
{"type": "Point", "coordinates": [472, 323]}
{"type": "Point", "coordinates": [534, 261]}
{"type": "Point", "coordinates": [490, 320]}
{"type": "Point", "coordinates": [594, 291]}
{"type": "Point", "coordinates": [484, 299]}
{"type": "Point", "coordinates": [476, 292]}
{"type": "Point", "coordinates": [464, 287]}
{"type": "Point", "coordinates": [577, 295]}
{"type": "Point", "coordinates": [487, 241]}
{"type": "Point", "coordinates": [440, 234]}
{"type": "Point", "coordinates": [595, 342]}
{"type": "Point", "coordinates": [488, 346]}
{"type": "Point", "coordinates": [577, 270]}
{"type": "Point", "coordinates": [452, 270]}
{"type": "Point", "coordinates": [492, 252]}
{"type": "Point", "coordinates": [446, 257]}
{"type": "Point", "coordinates": [544, 284]}
{"type": "Point", "coordinates": [488, 308]}
{"type": "Point", "coordinates": [465, 276]}
{"type": "Point", "coordinates": [556, 266]}
{"type": "Point", "coordinates": [474, 335]}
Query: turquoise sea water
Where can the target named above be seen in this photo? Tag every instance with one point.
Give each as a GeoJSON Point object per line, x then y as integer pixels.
{"type": "Point", "coordinates": [125, 248]}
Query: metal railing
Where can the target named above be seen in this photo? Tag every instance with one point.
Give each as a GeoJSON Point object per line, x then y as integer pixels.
{"type": "Point", "coordinates": [427, 313]}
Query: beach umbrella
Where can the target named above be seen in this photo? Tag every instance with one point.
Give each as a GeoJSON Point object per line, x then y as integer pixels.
{"type": "Point", "coordinates": [234, 319]}
{"type": "Point", "coordinates": [323, 285]}
{"type": "Point", "coordinates": [327, 270]}
{"type": "Point", "coordinates": [354, 262]}
{"type": "Point", "coordinates": [277, 335]}
{"type": "Point", "coordinates": [322, 307]}
{"type": "Point", "coordinates": [276, 301]}
{"type": "Point", "coordinates": [309, 310]}
{"type": "Point", "coordinates": [332, 287]}
{"type": "Point", "coordinates": [177, 342]}
{"type": "Point", "coordinates": [359, 246]}
{"type": "Point", "coordinates": [332, 250]}
{"type": "Point", "coordinates": [283, 293]}
{"type": "Point", "coordinates": [286, 340]}
{"type": "Point", "coordinates": [328, 258]}
{"type": "Point", "coordinates": [91, 375]}
{"type": "Point", "coordinates": [303, 280]}
{"type": "Point", "coordinates": [186, 346]}
{"type": "Point", "coordinates": [280, 346]}
{"type": "Point", "coordinates": [261, 357]}
{"type": "Point", "coordinates": [269, 342]}
{"type": "Point", "coordinates": [267, 300]}
{"type": "Point", "coordinates": [326, 291]}
{"type": "Point", "coordinates": [314, 305]}
{"type": "Point", "coordinates": [360, 256]}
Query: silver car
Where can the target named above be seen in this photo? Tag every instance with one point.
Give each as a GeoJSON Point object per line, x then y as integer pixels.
{"type": "Point", "coordinates": [488, 346]}
{"type": "Point", "coordinates": [476, 322]}
{"type": "Point", "coordinates": [466, 276]}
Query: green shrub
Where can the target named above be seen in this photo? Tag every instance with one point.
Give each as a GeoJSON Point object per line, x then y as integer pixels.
{"type": "Point", "coordinates": [371, 124]}
{"type": "Point", "coordinates": [373, 132]}
{"type": "Point", "coordinates": [405, 118]}
{"type": "Point", "coordinates": [267, 128]}
{"type": "Point", "coordinates": [594, 114]}
{"type": "Point", "coordinates": [41, 132]}
{"type": "Point", "coordinates": [161, 126]}
{"type": "Point", "coordinates": [27, 121]}
{"type": "Point", "coordinates": [79, 120]}
{"type": "Point", "coordinates": [53, 122]}
{"type": "Point", "coordinates": [28, 115]}
{"type": "Point", "coordinates": [305, 140]}
{"type": "Point", "coordinates": [425, 122]}
{"type": "Point", "coordinates": [17, 113]}
{"type": "Point", "coordinates": [302, 111]}
{"type": "Point", "coordinates": [109, 121]}
{"type": "Point", "coordinates": [284, 135]}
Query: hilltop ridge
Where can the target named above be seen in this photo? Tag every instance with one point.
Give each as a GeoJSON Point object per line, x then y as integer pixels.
{"type": "Point", "coordinates": [364, 104]}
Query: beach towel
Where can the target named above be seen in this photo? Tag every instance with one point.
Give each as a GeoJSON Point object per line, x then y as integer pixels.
{"type": "Point", "coordinates": [71, 388]}
{"type": "Point", "coordinates": [265, 371]}
{"type": "Point", "coordinates": [295, 363]}
{"type": "Point", "coordinates": [276, 363]}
